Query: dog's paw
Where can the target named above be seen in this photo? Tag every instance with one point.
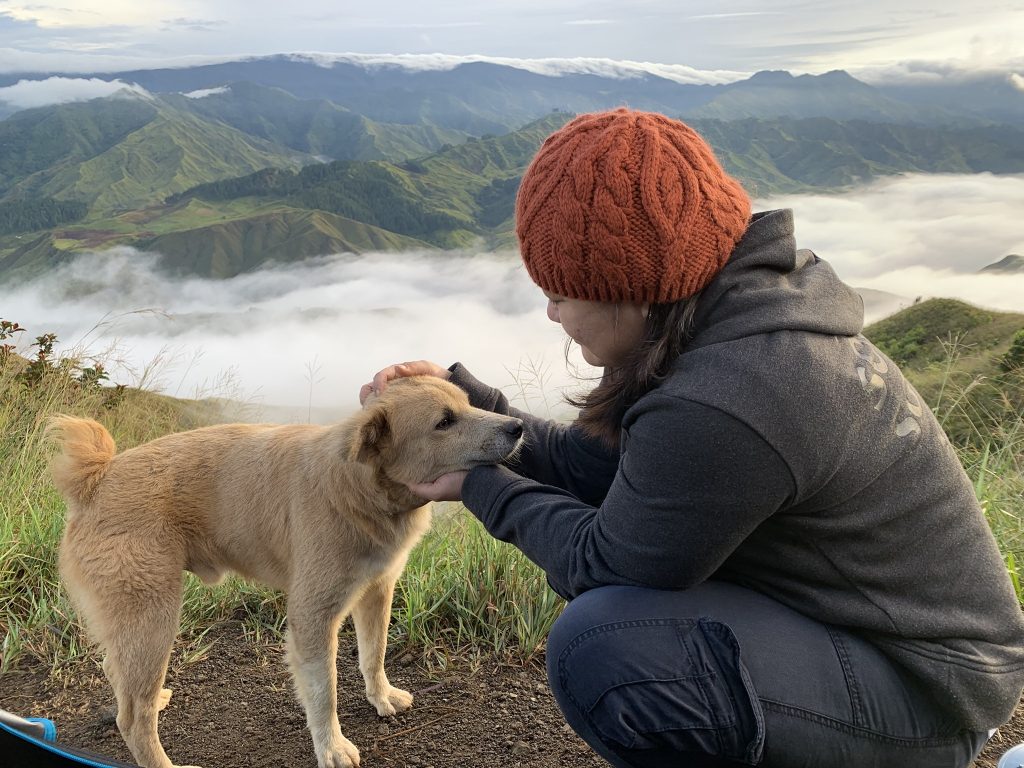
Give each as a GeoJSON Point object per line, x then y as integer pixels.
{"type": "Point", "coordinates": [341, 754]}
{"type": "Point", "coordinates": [162, 699]}
{"type": "Point", "coordinates": [394, 701]}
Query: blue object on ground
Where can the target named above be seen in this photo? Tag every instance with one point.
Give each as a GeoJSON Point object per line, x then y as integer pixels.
{"type": "Point", "coordinates": [30, 742]}
{"type": "Point", "coordinates": [1012, 758]}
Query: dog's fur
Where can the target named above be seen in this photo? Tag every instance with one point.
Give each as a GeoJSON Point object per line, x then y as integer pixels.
{"type": "Point", "coordinates": [322, 513]}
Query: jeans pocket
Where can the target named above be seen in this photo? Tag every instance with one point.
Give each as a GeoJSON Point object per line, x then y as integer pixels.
{"type": "Point", "coordinates": [669, 686]}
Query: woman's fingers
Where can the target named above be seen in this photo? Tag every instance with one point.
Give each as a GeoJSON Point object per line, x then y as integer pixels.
{"type": "Point", "coordinates": [397, 371]}
{"type": "Point", "coordinates": [447, 487]}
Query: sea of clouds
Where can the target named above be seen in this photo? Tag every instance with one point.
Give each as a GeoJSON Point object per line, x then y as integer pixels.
{"type": "Point", "coordinates": [306, 336]}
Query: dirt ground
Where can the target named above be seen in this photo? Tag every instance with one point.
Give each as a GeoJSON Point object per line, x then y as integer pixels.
{"type": "Point", "coordinates": [234, 708]}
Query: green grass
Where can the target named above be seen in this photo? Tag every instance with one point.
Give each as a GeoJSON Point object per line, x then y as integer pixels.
{"type": "Point", "coordinates": [463, 593]}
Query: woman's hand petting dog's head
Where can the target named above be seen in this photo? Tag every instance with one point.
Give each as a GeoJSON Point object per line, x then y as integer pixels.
{"type": "Point", "coordinates": [383, 377]}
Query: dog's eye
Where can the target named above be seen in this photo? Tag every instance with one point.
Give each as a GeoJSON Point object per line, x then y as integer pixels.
{"type": "Point", "coordinates": [447, 421]}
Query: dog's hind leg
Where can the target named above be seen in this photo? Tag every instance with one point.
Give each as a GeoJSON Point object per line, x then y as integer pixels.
{"type": "Point", "coordinates": [371, 615]}
{"type": "Point", "coordinates": [312, 656]}
{"type": "Point", "coordinates": [138, 646]}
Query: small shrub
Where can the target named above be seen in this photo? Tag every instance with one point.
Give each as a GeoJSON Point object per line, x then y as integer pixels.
{"type": "Point", "coordinates": [1013, 360]}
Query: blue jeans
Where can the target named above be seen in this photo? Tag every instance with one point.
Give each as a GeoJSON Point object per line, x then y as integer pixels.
{"type": "Point", "coordinates": [720, 675]}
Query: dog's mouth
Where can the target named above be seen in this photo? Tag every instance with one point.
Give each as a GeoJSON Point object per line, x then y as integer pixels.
{"type": "Point", "coordinates": [485, 458]}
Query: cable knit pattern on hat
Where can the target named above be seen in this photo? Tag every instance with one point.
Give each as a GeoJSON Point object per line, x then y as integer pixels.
{"type": "Point", "coordinates": [627, 206]}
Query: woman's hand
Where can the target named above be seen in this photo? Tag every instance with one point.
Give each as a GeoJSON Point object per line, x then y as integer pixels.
{"type": "Point", "coordinates": [445, 488]}
{"type": "Point", "coordinates": [397, 371]}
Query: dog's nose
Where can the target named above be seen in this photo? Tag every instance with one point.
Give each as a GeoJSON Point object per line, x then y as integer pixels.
{"type": "Point", "coordinates": [514, 428]}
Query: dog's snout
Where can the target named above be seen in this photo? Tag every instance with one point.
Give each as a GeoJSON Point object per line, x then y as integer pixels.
{"type": "Point", "coordinates": [514, 428]}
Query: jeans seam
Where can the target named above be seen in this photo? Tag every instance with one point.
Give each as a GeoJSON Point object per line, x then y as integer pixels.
{"type": "Point", "coordinates": [705, 628]}
{"type": "Point", "coordinates": [717, 731]}
{"type": "Point", "coordinates": [616, 625]}
{"type": "Point", "coordinates": [856, 730]}
{"type": "Point", "coordinates": [852, 688]}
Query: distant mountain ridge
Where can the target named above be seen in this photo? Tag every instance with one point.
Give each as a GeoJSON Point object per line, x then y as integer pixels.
{"type": "Point", "coordinates": [1011, 263]}
{"type": "Point", "coordinates": [480, 97]}
{"type": "Point", "coordinates": [222, 167]}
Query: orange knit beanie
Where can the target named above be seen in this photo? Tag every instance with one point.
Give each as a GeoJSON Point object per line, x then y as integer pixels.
{"type": "Point", "coordinates": [627, 206]}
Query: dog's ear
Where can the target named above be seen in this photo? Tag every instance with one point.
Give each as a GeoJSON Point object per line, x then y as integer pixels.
{"type": "Point", "coordinates": [371, 436]}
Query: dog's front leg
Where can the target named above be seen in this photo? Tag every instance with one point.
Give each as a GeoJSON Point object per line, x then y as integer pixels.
{"type": "Point", "coordinates": [371, 615]}
{"type": "Point", "coordinates": [312, 651]}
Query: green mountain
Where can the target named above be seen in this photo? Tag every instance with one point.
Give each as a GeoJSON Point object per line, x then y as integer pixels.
{"type": "Point", "coordinates": [279, 236]}
{"type": "Point", "coordinates": [967, 362]}
{"type": "Point", "coordinates": [156, 172]}
{"type": "Point", "coordinates": [787, 155]}
{"type": "Point", "coordinates": [314, 126]}
{"type": "Point", "coordinates": [448, 199]}
{"type": "Point", "coordinates": [30, 256]}
{"type": "Point", "coordinates": [36, 141]}
{"type": "Point", "coordinates": [170, 152]}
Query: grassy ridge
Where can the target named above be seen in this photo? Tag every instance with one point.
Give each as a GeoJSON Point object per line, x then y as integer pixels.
{"type": "Point", "coordinates": [957, 356]}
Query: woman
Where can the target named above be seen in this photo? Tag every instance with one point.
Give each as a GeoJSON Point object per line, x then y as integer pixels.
{"type": "Point", "coordinates": [771, 552]}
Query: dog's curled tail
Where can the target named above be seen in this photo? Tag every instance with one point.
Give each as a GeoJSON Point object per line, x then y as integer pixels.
{"type": "Point", "coordinates": [86, 451]}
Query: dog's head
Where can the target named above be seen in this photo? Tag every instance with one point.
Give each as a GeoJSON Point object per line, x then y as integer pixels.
{"type": "Point", "coordinates": [421, 427]}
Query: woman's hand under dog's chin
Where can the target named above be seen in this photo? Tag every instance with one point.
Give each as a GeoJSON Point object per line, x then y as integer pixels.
{"type": "Point", "coordinates": [448, 487]}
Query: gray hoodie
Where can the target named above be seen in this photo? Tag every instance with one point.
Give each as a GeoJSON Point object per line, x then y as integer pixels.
{"type": "Point", "coordinates": [786, 454]}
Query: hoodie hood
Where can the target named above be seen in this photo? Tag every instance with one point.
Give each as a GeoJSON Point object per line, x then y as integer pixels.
{"type": "Point", "coordinates": [768, 285]}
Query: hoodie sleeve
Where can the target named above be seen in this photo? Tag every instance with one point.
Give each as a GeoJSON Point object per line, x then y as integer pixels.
{"type": "Point", "coordinates": [554, 454]}
{"type": "Point", "coordinates": [692, 484]}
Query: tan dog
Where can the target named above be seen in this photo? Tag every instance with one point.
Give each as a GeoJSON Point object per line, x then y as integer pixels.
{"type": "Point", "coordinates": [322, 513]}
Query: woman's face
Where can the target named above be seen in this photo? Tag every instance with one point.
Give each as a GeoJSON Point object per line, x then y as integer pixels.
{"type": "Point", "coordinates": [607, 332]}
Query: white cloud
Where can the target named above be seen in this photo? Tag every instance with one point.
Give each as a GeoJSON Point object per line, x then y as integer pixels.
{"type": "Point", "coordinates": [202, 93]}
{"type": "Point", "coordinates": [924, 72]}
{"type": "Point", "coordinates": [919, 235]}
{"type": "Point", "coordinates": [82, 13]}
{"type": "Point", "coordinates": [1017, 81]}
{"type": "Point", "coordinates": [546, 66]}
{"type": "Point", "coordinates": [344, 316]}
{"type": "Point", "coordinates": [26, 94]}
{"type": "Point", "coordinates": [738, 15]}
{"type": "Point", "coordinates": [991, 291]}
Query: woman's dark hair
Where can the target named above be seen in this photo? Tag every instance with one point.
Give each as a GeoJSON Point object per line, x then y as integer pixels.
{"type": "Point", "coordinates": [668, 329]}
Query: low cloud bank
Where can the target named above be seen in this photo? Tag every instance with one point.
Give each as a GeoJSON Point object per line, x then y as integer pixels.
{"type": "Point", "coordinates": [919, 236]}
{"type": "Point", "coordinates": [26, 94]}
{"type": "Point", "coordinates": [308, 335]}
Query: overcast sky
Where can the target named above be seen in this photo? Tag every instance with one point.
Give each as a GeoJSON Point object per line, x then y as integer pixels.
{"type": "Point", "coordinates": [310, 335]}
{"type": "Point", "coordinates": [726, 36]}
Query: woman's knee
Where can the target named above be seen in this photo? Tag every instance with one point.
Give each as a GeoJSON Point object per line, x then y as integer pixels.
{"type": "Point", "coordinates": [651, 684]}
